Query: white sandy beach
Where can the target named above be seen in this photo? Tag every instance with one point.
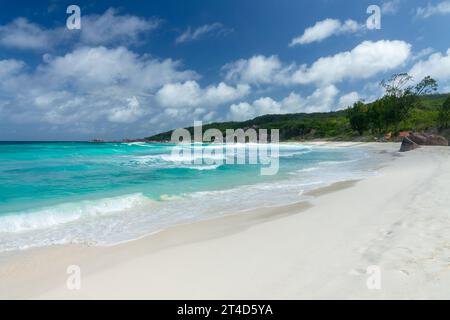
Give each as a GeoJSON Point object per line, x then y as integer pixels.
{"type": "Point", "coordinates": [398, 220]}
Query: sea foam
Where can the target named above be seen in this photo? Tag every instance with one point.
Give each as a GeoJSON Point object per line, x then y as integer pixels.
{"type": "Point", "coordinates": [68, 212]}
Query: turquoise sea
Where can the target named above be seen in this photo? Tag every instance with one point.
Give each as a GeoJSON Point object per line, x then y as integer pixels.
{"type": "Point", "coordinates": [105, 193]}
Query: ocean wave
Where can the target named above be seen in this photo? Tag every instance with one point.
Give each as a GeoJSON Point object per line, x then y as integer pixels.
{"type": "Point", "coordinates": [187, 157]}
{"type": "Point", "coordinates": [205, 167]}
{"type": "Point", "coordinates": [224, 146]}
{"type": "Point", "coordinates": [134, 143]}
{"type": "Point", "coordinates": [213, 154]}
{"type": "Point", "coordinates": [332, 162]}
{"type": "Point", "coordinates": [308, 169]}
{"type": "Point", "coordinates": [167, 197]}
{"type": "Point", "coordinates": [68, 212]}
{"type": "Point", "coordinates": [294, 153]}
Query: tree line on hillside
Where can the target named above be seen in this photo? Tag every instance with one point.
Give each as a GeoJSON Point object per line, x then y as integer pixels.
{"type": "Point", "coordinates": [401, 96]}
{"type": "Point", "coordinates": [404, 107]}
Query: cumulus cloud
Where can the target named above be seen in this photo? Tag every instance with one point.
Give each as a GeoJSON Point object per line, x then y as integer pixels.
{"type": "Point", "coordinates": [89, 68]}
{"type": "Point", "coordinates": [245, 111]}
{"type": "Point", "coordinates": [348, 100]}
{"type": "Point", "coordinates": [88, 86]}
{"type": "Point", "coordinates": [108, 89]}
{"type": "Point", "coordinates": [422, 53]}
{"type": "Point", "coordinates": [441, 8]}
{"type": "Point", "coordinates": [325, 29]}
{"type": "Point", "coordinates": [197, 33]}
{"type": "Point", "coordinates": [106, 29]}
{"type": "Point", "coordinates": [436, 65]}
{"type": "Point", "coordinates": [190, 94]}
{"type": "Point", "coordinates": [128, 113]}
{"type": "Point", "coordinates": [364, 61]}
{"type": "Point", "coordinates": [257, 70]}
{"type": "Point", "coordinates": [110, 27]}
{"type": "Point", "coordinates": [100, 87]}
{"type": "Point", "coordinates": [321, 100]}
{"type": "Point", "coordinates": [10, 67]}
{"type": "Point", "coordinates": [22, 34]}
{"type": "Point", "coordinates": [390, 7]}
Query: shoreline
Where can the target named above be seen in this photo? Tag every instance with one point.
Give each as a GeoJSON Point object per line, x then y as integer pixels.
{"type": "Point", "coordinates": [176, 235]}
{"type": "Point", "coordinates": [58, 218]}
{"type": "Point", "coordinates": [148, 266]}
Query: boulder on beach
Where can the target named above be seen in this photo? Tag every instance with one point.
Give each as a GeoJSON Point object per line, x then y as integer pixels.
{"type": "Point", "coordinates": [415, 140]}
{"type": "Point", "coordinates": [408, 145]}
{"type": "Point", "coordinates": [418, 138]}
{"type": "Point", "coordinates": [428, 140]}
{"type": "Point", "coordinates": [435, 140]}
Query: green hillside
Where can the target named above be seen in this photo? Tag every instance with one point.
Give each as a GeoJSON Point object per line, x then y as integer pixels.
{"type": "Point", "coordinates": [331, 125]}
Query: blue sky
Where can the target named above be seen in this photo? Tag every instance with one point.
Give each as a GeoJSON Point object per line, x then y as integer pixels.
{"type": "Point", "coordinates": [140, 67]}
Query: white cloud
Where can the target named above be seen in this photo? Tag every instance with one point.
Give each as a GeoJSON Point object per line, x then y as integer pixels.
{"type": "Point", "coordinates": [86, 87]}
{"type": "Point", "coordinates": [189, 94]}
{"type": "Point", "coordinates": [364, 61]}
{"type": "Point", "coordinates": [111, 28]}
{"type": "Point", "coordinates": [94, 68]}
{"type": "Point", "coordinates": [348, 100]}
{"type": "Point", "coordinates": [371, 91]}
{"type": "Point", "coordinates": [390, 7]}
{"type": "Point", "coordinates": [321, 100]}
{"type": "Point", "coordinates": [10, 67]}
{"type": "Point", "coordinates": [257, 70]}
{"type": "Point", "coordinates": [325, 29]}
{"type": "Point", "coordinates": [108, 89]}
{"type": "Point", "coordinates": [437, 66]}
{"type": "Point", "coordinates": [22, 34]}
{"type": "Point", "coordinates": [245, 111]}
{"type": "Point", "coordinates": [106, 29]}
{"type": "Point", "coordinates": [195, 34]}
{"type": "Point", "coordinates": [441, 8]}
{"type": "Point", "coordinates": [11, 78]}
{"type": "Point", "coordinates": [422, 53]}
{"type": "Point", "coordinates": [127, 114]}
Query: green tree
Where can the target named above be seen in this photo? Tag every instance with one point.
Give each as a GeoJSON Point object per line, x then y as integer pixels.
{"type": "Point", "coordinates": [358, 117]}
{"type": "Point", "coordinates": [376, 116]}
{"type": "Point", "coordinates": [444, 115]}
{"type": "Point", "coordinates": [401, 96]}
